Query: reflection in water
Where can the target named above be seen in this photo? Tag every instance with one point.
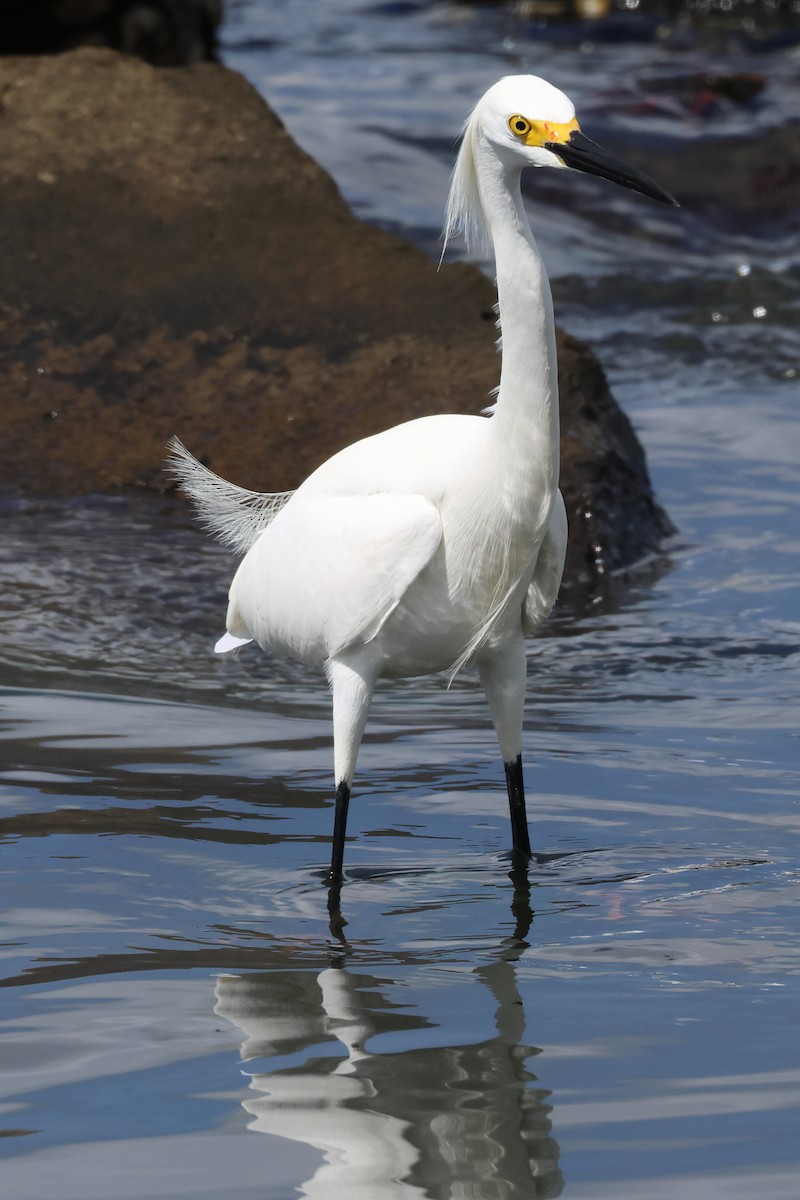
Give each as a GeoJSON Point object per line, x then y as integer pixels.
{"type": "Point", "coordinates": [440, 1121]}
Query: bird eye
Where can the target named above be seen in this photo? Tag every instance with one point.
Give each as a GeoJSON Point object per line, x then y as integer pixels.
{"type": "Point", "coordinates": [519, 125]}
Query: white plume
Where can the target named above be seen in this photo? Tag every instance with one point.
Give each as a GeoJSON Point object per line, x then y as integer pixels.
{"type": "Point", "coordinates": [234, 515]}
{"type": "Point", "coordinates": [464, 213]}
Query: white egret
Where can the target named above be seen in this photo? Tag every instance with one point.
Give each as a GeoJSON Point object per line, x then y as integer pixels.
{"type": "Point", "coordinates": [440, 541]}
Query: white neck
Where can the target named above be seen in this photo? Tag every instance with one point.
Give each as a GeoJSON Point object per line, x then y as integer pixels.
{"type": "Point", "coordinates": [527, 402]}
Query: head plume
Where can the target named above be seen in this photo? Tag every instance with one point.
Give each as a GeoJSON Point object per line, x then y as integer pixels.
{"type": "Point", "coordinates": [464, 214]}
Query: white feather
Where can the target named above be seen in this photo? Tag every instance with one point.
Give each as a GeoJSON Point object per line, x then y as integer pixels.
{"type": "Point", "coordinates": [465, 214]}
{"type": "Point", "coordinates": [229, 642]}
{"type": "Point", "coordinates": [234, 515]}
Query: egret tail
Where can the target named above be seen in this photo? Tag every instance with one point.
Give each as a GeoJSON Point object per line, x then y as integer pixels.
{"type": "Point", "coordinates": [234, 515]}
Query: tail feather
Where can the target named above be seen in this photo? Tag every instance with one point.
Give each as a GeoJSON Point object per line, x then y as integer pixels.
{"type": "Point", "coordinates": [234, 515]}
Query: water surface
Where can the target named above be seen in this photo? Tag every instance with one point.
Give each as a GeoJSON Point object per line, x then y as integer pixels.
{"type": "Point", "coordinates": [177, 1019]}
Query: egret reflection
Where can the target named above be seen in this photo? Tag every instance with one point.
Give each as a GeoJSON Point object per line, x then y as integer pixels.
{"type": "Point", "coordinates": [431, 1121]}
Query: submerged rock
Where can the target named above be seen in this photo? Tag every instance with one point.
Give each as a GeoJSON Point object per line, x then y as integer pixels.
{"type": "Point", "coordinates": [174, 263]}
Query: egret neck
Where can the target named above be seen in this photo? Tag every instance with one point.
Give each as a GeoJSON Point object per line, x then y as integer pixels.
{"type": "Point", "coordinates": [526, 416]}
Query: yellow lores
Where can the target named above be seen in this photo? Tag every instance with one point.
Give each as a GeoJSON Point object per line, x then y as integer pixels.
{"type": "Point", "coordinates": [536, 133]}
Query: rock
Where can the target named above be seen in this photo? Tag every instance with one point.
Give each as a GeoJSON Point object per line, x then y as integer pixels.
{"type": "Point", "coordinates": [174, 263]}
{"type": "Point", "coordinates": [168, 33]}
{"type": "Point", "coordinates": [744, 184]}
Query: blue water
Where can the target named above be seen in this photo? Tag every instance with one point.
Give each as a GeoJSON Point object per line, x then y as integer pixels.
{"type": "Point", "coordinates": [177, 1020]}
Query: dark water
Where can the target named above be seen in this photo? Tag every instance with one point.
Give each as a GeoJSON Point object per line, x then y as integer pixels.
{"type": "Point", "coordinates": [177, 1020]}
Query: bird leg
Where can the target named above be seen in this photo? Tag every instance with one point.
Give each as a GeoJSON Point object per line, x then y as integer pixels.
{"type": "Point", "coordinates": [352, 679]}
{"type": "Point", "coordinates": [520, 839]}
{"type": "Point", "coordinates": [334, 877]}
{"type": "Point", "coordinates": [339, 832]}
{"type": "Point", "coordinates": [502, 674]}
{"type": "Point", "coordinates": [521, 908]}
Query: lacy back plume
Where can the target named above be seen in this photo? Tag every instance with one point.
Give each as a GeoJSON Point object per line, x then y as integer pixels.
{"type": "Point", "coordinates": [234, 515]}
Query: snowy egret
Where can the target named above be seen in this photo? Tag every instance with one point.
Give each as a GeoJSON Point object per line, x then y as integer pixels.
{"type": "Point", "coordinates": [439, 542]}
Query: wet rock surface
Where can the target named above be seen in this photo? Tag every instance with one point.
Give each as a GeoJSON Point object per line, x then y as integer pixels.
{"type": "Point", "coordinates": [174, 263]}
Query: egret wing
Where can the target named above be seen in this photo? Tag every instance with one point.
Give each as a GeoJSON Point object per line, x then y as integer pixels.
{"type": "Point", "coordinates": [330, 570]}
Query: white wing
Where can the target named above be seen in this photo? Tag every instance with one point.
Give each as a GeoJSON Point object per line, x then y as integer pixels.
{"type": "Point", "coordinates": [543, 590]}
{"type": "Point", "coordinates": [329, 570]}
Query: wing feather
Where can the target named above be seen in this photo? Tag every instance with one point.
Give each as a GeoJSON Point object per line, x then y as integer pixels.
{"type": "Point", "coordinates": [359, 553]}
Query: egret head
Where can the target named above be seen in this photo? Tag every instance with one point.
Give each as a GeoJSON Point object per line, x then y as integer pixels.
{"type": "Point", "coordinates": [522, 117]}
{"type": "Point", "coordinates": [526, 122]}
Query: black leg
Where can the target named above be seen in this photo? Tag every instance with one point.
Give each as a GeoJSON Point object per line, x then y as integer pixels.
{"type": "Point", "coordinates": [336, 922]}
{"type": "Point", "coordinates": [516, 802]}
{"type": "Point", "coordinates": [339, 830]}
{"type": "Point", "coordinates": [521, 909]}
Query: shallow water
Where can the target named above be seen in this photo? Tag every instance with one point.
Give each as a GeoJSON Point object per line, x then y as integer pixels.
{"type": "Point", "coordinates": [177, 1020]}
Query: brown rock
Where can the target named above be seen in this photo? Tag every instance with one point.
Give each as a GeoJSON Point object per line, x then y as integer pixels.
{"type": "Point", "coordinates": [168, 33]}
{"type": "Point", "coordinates": [173, 263]}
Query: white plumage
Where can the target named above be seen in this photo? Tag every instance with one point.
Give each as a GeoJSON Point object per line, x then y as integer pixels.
{"type": "Point", "coordinates": [440, 541]}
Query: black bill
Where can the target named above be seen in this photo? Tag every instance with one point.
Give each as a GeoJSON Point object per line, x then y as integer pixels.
{"type": "Point", "coordinates": [583, 154]}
